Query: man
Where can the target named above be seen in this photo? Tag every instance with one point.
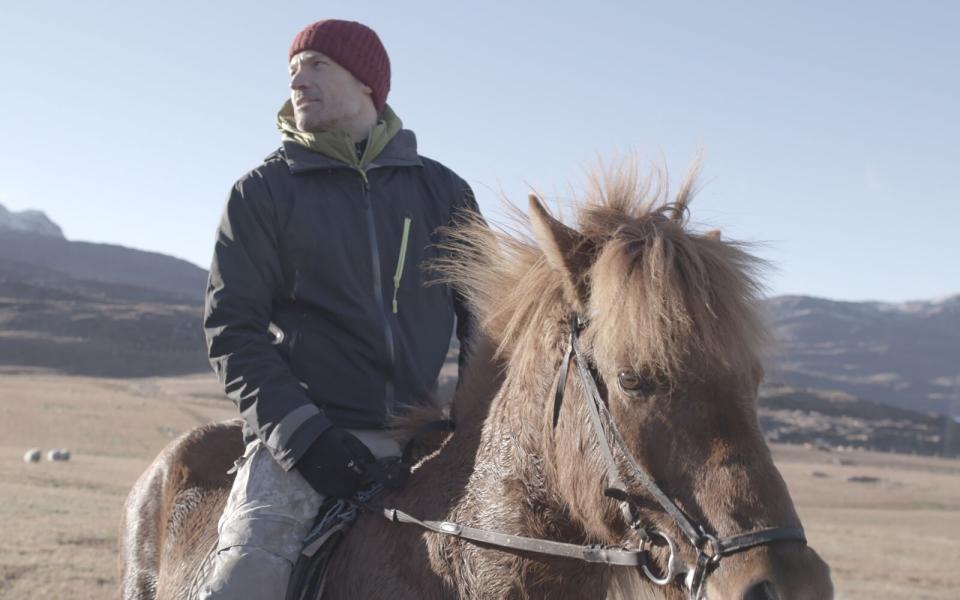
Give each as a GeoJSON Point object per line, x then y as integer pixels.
{"type": "Point", "coordinates": [317, 318]}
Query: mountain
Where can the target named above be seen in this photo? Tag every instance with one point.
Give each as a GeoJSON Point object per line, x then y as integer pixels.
{"type": "Point", "coordinates": [105, 263]}
{"type": "Point", "coordinates": [31, 221]}
{"type": "Point", "coordinates": [95, 309]}
{"type": "Point", "coordinates": [904, 355]}
{"type": "Point", "coordinates": [103, 309]}
{"type": "Point", "coordinates": [49, 320]}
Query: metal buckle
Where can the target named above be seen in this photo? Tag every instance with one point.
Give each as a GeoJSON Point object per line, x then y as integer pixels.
{"type": "Point", "coordinates": [451, 528]}
{"type": "Point", "coordinates": [577, 323]}
{"type": "Point", "coordinates": [709, 546]}
{"type": "Point", "coordinates": [674, 565]}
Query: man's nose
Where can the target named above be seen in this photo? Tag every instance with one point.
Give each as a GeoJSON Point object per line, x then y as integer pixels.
{"type": "Point", "coordinates": [296, 81]}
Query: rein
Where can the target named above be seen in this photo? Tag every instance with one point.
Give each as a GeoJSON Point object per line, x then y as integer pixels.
{"type": "Point", "coordinates": [710, 548]}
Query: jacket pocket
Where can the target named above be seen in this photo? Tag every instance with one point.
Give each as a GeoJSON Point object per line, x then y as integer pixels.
{"type": "Point", "coordinates": [401, 259]}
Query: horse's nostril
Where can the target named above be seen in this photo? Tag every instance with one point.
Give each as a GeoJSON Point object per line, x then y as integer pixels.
{"type": "Point", "coordinates": [762, 590]}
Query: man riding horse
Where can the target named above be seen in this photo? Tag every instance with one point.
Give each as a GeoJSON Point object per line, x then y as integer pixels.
{"type": "Point", "coordinates": [317, 319]}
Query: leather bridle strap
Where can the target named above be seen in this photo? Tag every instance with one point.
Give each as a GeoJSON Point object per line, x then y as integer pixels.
{"type": "Point", "coordinates": [561, 385]}
{"type": "Point", "coordinates": [598, 411]}
{"type": "Point", "coordinates": [745, 541]}
{"type": "Point", "coordinates": [616, 486]}
{"type": "Point", "coordinates": [710, 549]}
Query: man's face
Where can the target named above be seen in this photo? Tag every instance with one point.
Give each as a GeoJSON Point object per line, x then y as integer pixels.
{"type": "Point", "coordinates": [325, 96]}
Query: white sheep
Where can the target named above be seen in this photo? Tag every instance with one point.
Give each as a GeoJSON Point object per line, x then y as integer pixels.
{"type": "Point", "coordinates": [33, 455]}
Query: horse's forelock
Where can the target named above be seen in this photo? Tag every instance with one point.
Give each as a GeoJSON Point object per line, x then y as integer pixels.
{"type": "Point", "coordinates": [662, 297]}
{"type": "Point", "coordinates": [659, 293]}
{"type": "Point", "coordinates": [678, 294]}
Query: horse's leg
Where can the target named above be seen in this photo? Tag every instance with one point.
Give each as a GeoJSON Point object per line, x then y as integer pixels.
{"type": "Point", "coordinates": [141, 534]}
{"type": "Point", "coordinates": [169, 519]}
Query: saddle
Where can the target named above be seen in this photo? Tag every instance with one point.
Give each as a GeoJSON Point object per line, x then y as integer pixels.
{"type": "Point", "coordinates": [336, 515]}
{"type": "Point", "coordinates": [309, 577]}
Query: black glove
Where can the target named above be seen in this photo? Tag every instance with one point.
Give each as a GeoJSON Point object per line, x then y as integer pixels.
{"type": "Point", "coordinates": [335, 463]}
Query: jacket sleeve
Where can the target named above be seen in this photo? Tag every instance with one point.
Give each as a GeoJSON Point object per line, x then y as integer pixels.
{"type": "Point", "coordinates": [245, 276]}
{"type": "Point", "coordinates": [466, 321]}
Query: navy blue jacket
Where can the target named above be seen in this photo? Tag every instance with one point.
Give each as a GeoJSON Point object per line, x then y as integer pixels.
{"type": "Point", "coordinates": [317, 309]}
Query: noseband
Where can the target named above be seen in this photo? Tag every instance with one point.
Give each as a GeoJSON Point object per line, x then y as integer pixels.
{"type": "Point", "coordinates": [710, 548]}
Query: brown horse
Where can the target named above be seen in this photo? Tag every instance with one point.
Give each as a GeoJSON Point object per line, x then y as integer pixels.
{"type": "Point", "coordinates": [670, 333]}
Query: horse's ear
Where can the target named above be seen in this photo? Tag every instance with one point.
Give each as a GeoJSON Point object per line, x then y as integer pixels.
{"type": "Point", "coordinates": [713, 234]}
{"type": "Point", "coordinates": [563, 248]}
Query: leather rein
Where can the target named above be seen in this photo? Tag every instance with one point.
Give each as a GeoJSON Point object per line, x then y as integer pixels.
{"type": "Point", "coordinates": [710, 548]}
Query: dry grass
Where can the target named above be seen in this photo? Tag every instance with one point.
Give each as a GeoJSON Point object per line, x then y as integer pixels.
{"type": "Point", "coordinates": [896, 537]}
{"type": "Point", "coordinates": [58, 521]}
{"type": "Point", "coordinates": [893, 538]}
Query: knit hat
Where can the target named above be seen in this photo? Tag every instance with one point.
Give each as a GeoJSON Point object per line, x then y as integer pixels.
{"type": "Point", "coordinates": [353, 46]}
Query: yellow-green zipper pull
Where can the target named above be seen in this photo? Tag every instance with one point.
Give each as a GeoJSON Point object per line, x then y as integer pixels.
{"type": "Point", "coordinates": [400, 260]}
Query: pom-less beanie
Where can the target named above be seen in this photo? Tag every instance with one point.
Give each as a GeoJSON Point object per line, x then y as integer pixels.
{"type": "Point", "coordinates": [353, 46]}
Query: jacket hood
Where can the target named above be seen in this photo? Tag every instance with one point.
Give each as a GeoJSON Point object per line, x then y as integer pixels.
{"type": "Point", "coordinates": [338, 145]}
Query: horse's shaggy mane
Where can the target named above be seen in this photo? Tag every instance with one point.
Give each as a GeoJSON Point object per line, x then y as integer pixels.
{"type": "Point", "coordinates": [659, 294]}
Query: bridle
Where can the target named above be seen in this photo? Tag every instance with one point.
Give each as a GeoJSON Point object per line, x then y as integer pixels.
{"type": "Point", "coordinates": [710, 548]}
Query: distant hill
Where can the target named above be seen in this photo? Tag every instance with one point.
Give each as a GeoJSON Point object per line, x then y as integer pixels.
{"type": "Point", "coordinates": [905, 355]}
{"type": "Point", "coordinates": [95, 309]}
{"type": "Point", "coordinates": [836, 419]}
{"type": "Point", "coordinates": [49, 320]}
{"type": "Point", "coordinates": [106, 263]}
{"type": "Point", "coordinates": [102, 309]}
{"type": "Point", "coordinates": [31, 221]}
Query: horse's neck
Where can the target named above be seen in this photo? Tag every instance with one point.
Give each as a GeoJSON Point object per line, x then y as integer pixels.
{"type": "Point", "coordinates": [504, 413]}
{"type": "Point", "coordinates": [518, 487]}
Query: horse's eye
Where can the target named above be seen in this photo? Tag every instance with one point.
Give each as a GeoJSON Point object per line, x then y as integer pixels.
{"type": "Point", "coordinates": [636, 384]}
{"type": "Point", "coordinates": [629, 380]}
{"type": "Point", "coordinates": [633, 383]}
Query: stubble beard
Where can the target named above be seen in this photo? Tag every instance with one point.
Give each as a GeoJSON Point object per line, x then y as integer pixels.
{"type": "Point", "coordinates": [308, 122]}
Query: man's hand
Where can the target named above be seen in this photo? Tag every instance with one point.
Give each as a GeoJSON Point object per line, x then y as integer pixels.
{"type": "Point", "coordinates": [334, 465]}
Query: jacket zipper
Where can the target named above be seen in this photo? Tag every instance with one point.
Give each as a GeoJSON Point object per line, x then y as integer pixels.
{"type": "Point", "coordinates": [400, 261]}
{"type": "Point", "coordinates": [378, 289]}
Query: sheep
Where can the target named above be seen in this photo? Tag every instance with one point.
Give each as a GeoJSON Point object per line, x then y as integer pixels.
{"type": "Point", "coordinates": [58, 454]}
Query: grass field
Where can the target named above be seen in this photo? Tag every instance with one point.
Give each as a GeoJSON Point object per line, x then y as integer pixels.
{"type": "Point", "coordinates": [895, 533]}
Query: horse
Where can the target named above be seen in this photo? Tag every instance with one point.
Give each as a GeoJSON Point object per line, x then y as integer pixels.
{"type": "Point", "coordinates": [606, 444]}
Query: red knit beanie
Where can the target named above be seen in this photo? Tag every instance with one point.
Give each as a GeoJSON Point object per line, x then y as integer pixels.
{"type": "Point", "coordinates": [353, 46]}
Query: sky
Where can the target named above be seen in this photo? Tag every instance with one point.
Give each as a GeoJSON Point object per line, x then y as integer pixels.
{"type": "Point", "coordinates": [830, 132]}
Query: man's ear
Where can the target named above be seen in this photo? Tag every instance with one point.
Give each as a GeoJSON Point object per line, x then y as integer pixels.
{"type": "Point", "coordinates": [565, 251]}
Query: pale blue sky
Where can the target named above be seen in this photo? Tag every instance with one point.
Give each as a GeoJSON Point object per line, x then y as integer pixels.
{"type": "Point", "coordinates": [831, 131]}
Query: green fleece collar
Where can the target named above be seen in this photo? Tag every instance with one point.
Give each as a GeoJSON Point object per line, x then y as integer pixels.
{"type": "Point", "coordinates": [338, 145]}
